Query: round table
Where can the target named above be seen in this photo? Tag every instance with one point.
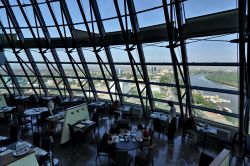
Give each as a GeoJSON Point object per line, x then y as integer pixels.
{"type": "Point", "coordinates": [128, 145]}
{"type": "Point", "coordinates": [35, 112]}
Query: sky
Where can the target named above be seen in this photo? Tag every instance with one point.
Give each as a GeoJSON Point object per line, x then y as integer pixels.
{"type": "Point", "coordinates": [206, 51]}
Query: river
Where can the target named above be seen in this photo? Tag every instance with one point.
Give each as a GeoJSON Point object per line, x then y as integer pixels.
{"type": "Point", "coordinates": [200, 80]}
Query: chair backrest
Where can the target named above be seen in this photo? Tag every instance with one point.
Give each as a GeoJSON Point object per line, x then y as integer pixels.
{"type": "Point", "coordinates": [36, 139]}
{"type": "Point", "coordinates": [122, 157]}
{"type": "Point", "coordinates": [95, 118]}
{"type": "Point", "coordinates": [151, 153]}
{"type": "Point", "coordinates": [3, 102]}
{"type": "Point", "coordinates": [157, 125]}
{"type": "Point", "coordinates": [43, 116]}
{"type": "Point", "coordinates": [71, 131]}
{"type": "Point", "coordinates": [205, 159]}
{"type": "Point", "coordinates": [223, 134]}
{"type": "Point", "coordinates": [33, 99]}
{"type": "Point", "coordinates": [46, 144]}
{"type": "Point", "coordinates": [13, 133]}
{"type": "Point", "coordinates": [172, 128]}
{"type": "Point", "coordinates": [151, 133]}
{"type": "Point", "coordinates": [58, 100]}
{"type": "Point", "coordinates": [51, 107]}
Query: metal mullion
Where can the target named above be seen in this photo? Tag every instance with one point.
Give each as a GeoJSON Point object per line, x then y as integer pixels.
{"type": "Point", "coordinates": [173, 55]}
{"type": "Point", "coordinates": [80, 53]}
{"type": "Point", "coordinates": [184, 56]}
{"type": "Point", "coordinates": [106, 47]}
{"type": "Point", "coordinates": [5, 85]}
{"type": "Point", "coordinates": [28, 52]}
{"type": "Point", "coordinates": [78, 66]}
{"type": "Point", "coordinates": [134, 63]}
{"type": "Point", "coordinates": [88, 75]}
{"type": "Point", "coordinates": [13, 77]}
{"type": "Point", "coordinates": [72, 31]}
{"type": "Point", "coordinates": [4, 69]}
{"type": "Point", "coordinates": [77, 76]}
{"type": "Point", "coordinates": [136, 30]}
{"type": "Point", "coordinates": [125, 37]}
{"type": "Point", "coordinates": [21, 37]}
{"type": "Point", "coordinates": [179, 68]}
{"type": "Point", "coordinates": [65, 44]}
{"type": "Point", "coordinates": [241, 18]}
{"type": "Point", "coordinates": [51, 64]}
{"type": "Point", "coordinates": [53, 51]}
{"type": "Point", "coordinates": [25, 63]}
{"type": "Point", "coordinates": [17, 56]}
{"type": "Point", "coordinates": [60, 33]}
{"type": "Point", "coordinates": [105, 66]}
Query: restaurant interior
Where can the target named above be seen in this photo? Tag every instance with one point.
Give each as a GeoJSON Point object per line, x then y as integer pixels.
{"type": "Point", "coordinates": [124, 82]}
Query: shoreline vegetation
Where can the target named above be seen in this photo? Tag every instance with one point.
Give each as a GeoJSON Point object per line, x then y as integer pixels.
{"type": "Point", "coordinates": [222, 77]}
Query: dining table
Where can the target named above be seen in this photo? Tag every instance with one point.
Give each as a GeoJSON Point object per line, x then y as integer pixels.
{"type": "Point", "coordinates": [56, 119]}
{"type": "Point", "coordinates": [159, 115]}
{"type": "Point", "coordinates": [127, 141]}
{"type": "Point", "coordinates": [206, 130]}
{"type": "Point", "coordinates": [6, 110]}
{"type": "Point", "coordinates": [35, 112]}
{"type": "Point", "coordinates": [9, 155]}
{"type": "Point", "coordinates": [96, 104]}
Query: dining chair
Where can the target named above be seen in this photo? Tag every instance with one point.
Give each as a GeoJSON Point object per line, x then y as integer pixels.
{"type": "Point", "coordinates": [205, 159]}
{"type": "Point", "coordinates": [58, 104]}
{"type": "Point", "coordinates": [100, 152]}
{"type": "Point", "coordinates": [13, 133]}
{"type": "Point", "coordinates": [34, 101]}
{"type": "Point", "coordinates": [145, 157]}
{"type": "Point", "coordinates": [95, 118]}
{"type": "Point", "coordinates": [172, 129]}
{"type": "Point", "coordinates": [22, 121]}
{"type": "Point", "coordinates": [122, 158]}
{"type": "Point", "coordinates": [157, 126]}
{"type": "Point", "coordinates": [47, 145]}
{"type": "Point", "coordinates": [36, 139]}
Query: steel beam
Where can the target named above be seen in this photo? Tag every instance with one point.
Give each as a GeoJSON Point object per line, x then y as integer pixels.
{"type": "Point", "coordinates": [136, 30]}
{"type": "Point", "coordinates": [19, 61]}
{"type": "Point", "coordinates": [128, 49]}
{"type": "Point", "coordinates": [39, 15]}
{"type": "Point", "coordinates": [173, 55]}
{"type": "Point", "coordinates": [64, 41]}
{"type": "Point", "coordinates": [180, 22]}
{"type": "Point", "coordinates": [13, 19]}
{"type": "Point", "coordinates": [106, 47]}
{"type": "Point", "coordinates": [38, 42]}
{"type": "Point", "coordinates": [242, 69]}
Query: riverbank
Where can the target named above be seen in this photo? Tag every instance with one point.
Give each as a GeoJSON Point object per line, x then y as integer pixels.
{"type": "Point", "coordinates": [223, 79]}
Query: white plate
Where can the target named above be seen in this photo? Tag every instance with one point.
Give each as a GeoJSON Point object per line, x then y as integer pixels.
{"type": "Point", "coordinates": [2, 149]}
{"type": "Point", "coordinates": [121, 139]}
{"type": "Point", "coordinates": [26, 150]}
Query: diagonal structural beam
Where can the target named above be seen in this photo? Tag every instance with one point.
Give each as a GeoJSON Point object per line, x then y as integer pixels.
{"type": "Point", "coordinates": [242, 69]}
{"type": "Point", "coordinates": [11, 14]}
{"type": "Point", "coordinates": [53, 50]}
{"type": "Point", "coordinates": [186, 79]}
{"type": "Point", "coordinates": [173, 54]}
{"type": "Point", "coordinates": [136, 30]}
{"type": "Point", "coordinates": [64, 41]}
{"type": "Point", "coordinates": [106, 47]}
{"type": "Point", "coordinates": [18, 59]}
{"type": "Point", "coordinates": [38, 42]}
{"type": "Point", "coordinates": [128, 49]}
{"type": "Point", "coordinates": [79, 50]}
{"type": "Point", "coordinates": [95, 51]}
{"type": "Point", "coordinates": [69, 21]}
